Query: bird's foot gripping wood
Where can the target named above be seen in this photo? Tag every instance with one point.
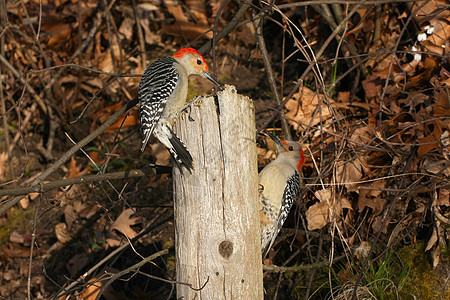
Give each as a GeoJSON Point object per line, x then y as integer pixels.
{"type": "Point", "coordinates": [189, 106]}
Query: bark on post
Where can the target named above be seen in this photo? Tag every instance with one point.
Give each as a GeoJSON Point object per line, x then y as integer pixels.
{"type": "Point", "coordinates": [217, 233]}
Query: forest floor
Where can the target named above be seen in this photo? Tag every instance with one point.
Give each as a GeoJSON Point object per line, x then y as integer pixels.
{"type": "Point", "coordinates": [367, 96]}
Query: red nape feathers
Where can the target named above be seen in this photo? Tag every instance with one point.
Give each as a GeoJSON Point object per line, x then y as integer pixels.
{"type": "Point", "coordinates": [302, 160]}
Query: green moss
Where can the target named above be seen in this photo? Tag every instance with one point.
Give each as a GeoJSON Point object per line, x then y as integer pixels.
{"type": "Point", "coordinates": [406, 273]}
{"type": "Point", "coordinates": [170, 258]}
{"type": "Point", "coordinates": [18, 219]}
{"type": "Point", "coordinates": [424, 281]}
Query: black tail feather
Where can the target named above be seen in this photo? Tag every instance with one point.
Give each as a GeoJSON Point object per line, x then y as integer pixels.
{"type": "Point", "coordinates": [180, 154]}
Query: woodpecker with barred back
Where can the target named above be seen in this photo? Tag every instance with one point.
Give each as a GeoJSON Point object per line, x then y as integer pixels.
{"type": "Point", "coordinates": [279, 185]}
{"type": "Point", "coordinates": [162, 95]}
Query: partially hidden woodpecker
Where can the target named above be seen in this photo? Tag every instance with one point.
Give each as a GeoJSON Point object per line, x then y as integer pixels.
{"type": "Point", "coordinates": [279, 185]}
{"type": "Point", "coordinates": [162, 96]}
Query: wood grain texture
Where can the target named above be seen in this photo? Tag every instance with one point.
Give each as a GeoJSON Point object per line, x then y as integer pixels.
{"type": "Point", "coordinates": [216, 208]}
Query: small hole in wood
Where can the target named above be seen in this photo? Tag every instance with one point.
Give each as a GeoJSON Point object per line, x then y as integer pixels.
{"type": "Point", "coordinates": [242, 281]}
{"type": "Point", "coordinates": [217, 273]}
{"type": "Point", "coordinates": [226, 249]}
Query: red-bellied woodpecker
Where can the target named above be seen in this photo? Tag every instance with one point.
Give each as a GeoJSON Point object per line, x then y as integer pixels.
{"type": "Point", "coordinates": [162, 94]}
{"type": "Point", "coordinates": [279, 184]}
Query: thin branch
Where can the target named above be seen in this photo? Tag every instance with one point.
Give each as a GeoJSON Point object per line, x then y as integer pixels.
{"type": "Point", "coordinates": [116, 251]}
{"type": "Point", "coordinates": [258, 23]}
{"type": "Point", "coordinates": [311, 65]}
{"type": "Point", "coordinates": [130, 269]}
{"type": "Point", "coordinates": [3, 108]}
{"type": "Point", "coordinates": [227, 29]}
{"type": "Point", "coordinates": [279, 269]}
{"type": "Point", "coordinates": [355, 2]}
{"type": "Point", "coordinates": [391, 64]}
{"type": "Point", "coordinates": [66, 156]}
{"type": "Point", "coordinates": [174, 281]}
{"type": "Point", "coordinates": [140, 34]}
{"type": "Point", "coordinates": [33, 240]}
{"type": "Point", "coordinates": [83, 68]}
{"type": "Point", "coordinates": [30, 89]}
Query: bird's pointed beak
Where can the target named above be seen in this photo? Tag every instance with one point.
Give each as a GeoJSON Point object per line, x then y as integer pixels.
{"type": "Point", "coordinates": [209, 76]}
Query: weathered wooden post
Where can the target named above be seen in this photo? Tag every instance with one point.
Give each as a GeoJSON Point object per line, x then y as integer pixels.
{"type": "Point", "coordinates": [217, 235]}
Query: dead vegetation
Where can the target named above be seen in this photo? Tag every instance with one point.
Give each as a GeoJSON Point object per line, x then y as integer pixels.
{"type": "Point", "coordinates": [365, 88]}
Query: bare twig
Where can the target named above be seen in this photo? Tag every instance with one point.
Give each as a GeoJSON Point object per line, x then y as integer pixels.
{"type": "Point", "coordinates": [140, 35]}
{"type": "Point", "coordinates": [278, 269]}
{"type": "Point", "coordinates": [312, 64]}
{"type": "Point", "coordinates": [41, 188]}
{"type": "Point", "coordinates": [391, 64]}
{"type": "Point", "coordinates": [27, 118]}
{"type": "Point", "coordinates": [40, 21]}
{"type": "Point", "coordinates": [214, 31]}
{"type": "Point", "coordinates": [174, 281]}
{"type": "Point", "coordinates": [66, 156]}
{"type": "Point", "coordinates": [130, 269]}
{"type": "Point", "coordinates": [326, 14]}
{"type": "Point", "coordinates": [354, 2]}
{"type": "Point", "coordinates": [258, 23]}
{"type": "Point", "coordinates": [33, 239]}
{"type": "Point", "coordinates": [116, 251]}
{"type": "Point", "coordinates": [3, 107]}
{"type": "Point", "coordinates": [227, 29]}
{"type": "Point", "coordinates": [64, 66]}
{"type": "Point", "coordinates": [16, 73]}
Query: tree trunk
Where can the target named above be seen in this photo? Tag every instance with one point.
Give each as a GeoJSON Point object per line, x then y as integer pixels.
{"type": "Point", "coordinates": [217, 237]}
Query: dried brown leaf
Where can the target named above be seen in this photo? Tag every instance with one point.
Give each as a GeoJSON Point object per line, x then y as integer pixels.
{"type": "Point", "coordinates": [300, 109]}
{"type": "Point", "coordinates": [444, 197]}
{"type": "Point", "coordinates": [435, 255]}
{"type": "Point", "coordinates": [89, 211]}
{"type": "Point", "coordinates": [441, 108]}
{"type": "Point", "coordinates": [161, 154]}
{"type": "Point", "coordinates": [430, 141]}
{"type": "Point", "coordinates": [74, 169]}
{"type": "Point", "coordinates": [95, 284]}
{"type": "Point", "coordinates": [124, 223]}
{"type": "Point", "coordinates": [348, 172]}
{"type": "Point", "coordinates": [24, 202]}
{"type": "Point", "coordinates": [149, 36]}
{"type": "Point", "coordinates": [69, 215]}
{"type": "Point", "coordinates": [343, 96]}
{"type": "Point", "coordinates": [58, 32]}
{"type": "Point", "coordinates": [126, 28]}
{"type": "Point", "coordinates": [16, 237]}
{"type": "Point", "coordinates": [318, 215]}
{"type": "Point", "coordinates": [131, 120]}
{"type": "Point", "coordinates": [16, 250]}
{"type": "Point", "coordinates": [62, 233]}
{"type": "Point", "coordinates": [370, 197]}
{"type": "Point", "coordinates": [372, 85]}
{"type": "Point", "coordinates": [437, 167]}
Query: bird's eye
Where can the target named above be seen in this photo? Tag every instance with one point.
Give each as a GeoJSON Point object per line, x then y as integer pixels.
{"type": "Point", "coordinates": [199, 62]}
{"type": "Point", "coordinates": [291, 148]}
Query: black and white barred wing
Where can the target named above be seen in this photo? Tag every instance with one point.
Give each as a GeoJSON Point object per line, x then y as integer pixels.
{"type": "Point", "coordinates": [157, 84]}
{"type": "Point", "coordinates": [289, 196]}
